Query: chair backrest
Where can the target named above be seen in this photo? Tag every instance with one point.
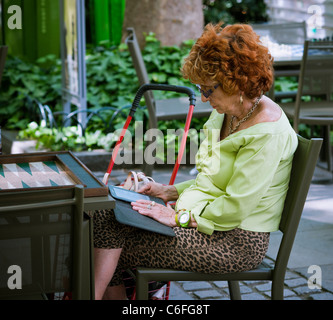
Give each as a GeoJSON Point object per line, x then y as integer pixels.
{"type": "Point", "coordinates": [316, 75]}
{"type": "Point", "coordinates": [141, 71]}
{"type": "Point", "coordinates": [304, 162]}
{"type": "Point", "coordinates": [283, 33]}
{"type": "Point", "coordinates": [41, 232]}
{"type": "Point", "coordinates": [3, 55]}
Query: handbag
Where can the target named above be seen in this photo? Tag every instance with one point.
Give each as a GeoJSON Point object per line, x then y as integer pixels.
{"type": "Point", "coordinates": [135, 180]}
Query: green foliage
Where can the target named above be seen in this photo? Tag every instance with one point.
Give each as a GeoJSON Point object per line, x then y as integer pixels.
{"type": "Point", "coordinates": [163, 63]}
{"type": "Point", "coordinates": [285, 84]}
{"type": "Point", "coordinates": [41, 81]}
{"type": "Point", "coordinates": [111, 81]}
{"type": "Point", "coordinates": [67, 138]}
{"type": "Point", "coordinates": [233, 11]}
{"type": "Point", "coordinates": [111, 78]}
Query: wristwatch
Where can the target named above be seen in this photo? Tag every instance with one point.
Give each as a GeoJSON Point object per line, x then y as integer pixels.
{"type": "Point", "coordinates": [183, 218]}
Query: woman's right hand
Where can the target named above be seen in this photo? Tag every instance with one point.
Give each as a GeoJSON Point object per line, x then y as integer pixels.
{"type": "Point", "coordinates": [165, 192]}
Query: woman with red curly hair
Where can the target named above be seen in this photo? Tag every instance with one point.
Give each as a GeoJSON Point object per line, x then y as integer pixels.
{"type": "Point", "coordinates": [223, 218]}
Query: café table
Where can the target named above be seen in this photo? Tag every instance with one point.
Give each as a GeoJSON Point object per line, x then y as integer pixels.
{"type": "Point", "coordinates": [287, 63]}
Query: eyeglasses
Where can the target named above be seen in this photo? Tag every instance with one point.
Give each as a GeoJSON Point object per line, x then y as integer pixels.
{"type": "Point", "coordinates": [208, 92]}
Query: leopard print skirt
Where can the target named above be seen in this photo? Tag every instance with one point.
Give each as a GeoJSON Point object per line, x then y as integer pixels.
{"type": "Point", "coordinates": [190, 250]}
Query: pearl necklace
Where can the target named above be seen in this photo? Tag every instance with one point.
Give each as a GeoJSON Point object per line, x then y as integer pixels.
{"type": "Point", "coordinates": [231, 130]}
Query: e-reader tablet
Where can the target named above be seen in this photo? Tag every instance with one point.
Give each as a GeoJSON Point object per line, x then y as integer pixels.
{"type": "Point", "coordinates": [126, 215]}
{"type": "Point", "coordinates": [131, 196]}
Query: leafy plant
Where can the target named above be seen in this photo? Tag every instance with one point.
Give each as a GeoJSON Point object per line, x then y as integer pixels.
{"type": "Point", "coordinates": [68, 138]}
{"type": "Point", "coordinates": [233, 11]}
{"type": "Point", "coordinates": [286, 84]}
{"type": "Point", "coordinates": [111, 78]}
{"type": "Point", "coordinates": [111, 81]}
{"type": "Point", "coordinates": [22, 83]}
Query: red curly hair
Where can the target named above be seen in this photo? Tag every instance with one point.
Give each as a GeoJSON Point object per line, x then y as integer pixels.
{"type": "Point", "coordinates": [232, 56]}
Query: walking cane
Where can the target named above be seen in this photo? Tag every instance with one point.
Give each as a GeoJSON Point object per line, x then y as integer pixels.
{"type": "Point", "coordinates": [139, 94]}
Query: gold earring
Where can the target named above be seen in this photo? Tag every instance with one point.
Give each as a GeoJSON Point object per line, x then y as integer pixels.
{"type": "Point", "coordinates": [241, 100]}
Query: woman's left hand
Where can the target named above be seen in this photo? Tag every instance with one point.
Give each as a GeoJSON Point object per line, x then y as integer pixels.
{"type": "Point", "coordinates": [160, 213]}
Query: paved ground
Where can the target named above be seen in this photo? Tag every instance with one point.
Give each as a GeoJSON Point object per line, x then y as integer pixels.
{"type": "Point", "coordinates": [312, 247]}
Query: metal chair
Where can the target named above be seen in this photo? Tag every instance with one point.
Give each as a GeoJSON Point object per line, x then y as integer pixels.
{"type": "Point", "coordinates": [293, 33]}
{"type": "Point", "coordinates": [314, 100]}
{"type": "Point", "coordinates": [304, 162]}
{"type": "Point", "coordinates": [45, 233]}
{"type": "Point", "coordinates": [166, 109]}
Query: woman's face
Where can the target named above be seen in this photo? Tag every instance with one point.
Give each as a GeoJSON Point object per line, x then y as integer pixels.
{"type": "Point", "coordinates": [219, 100]}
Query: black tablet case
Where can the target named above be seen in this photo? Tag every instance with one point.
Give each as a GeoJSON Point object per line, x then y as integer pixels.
{"type": "Point", "coordinates": [126, 215]}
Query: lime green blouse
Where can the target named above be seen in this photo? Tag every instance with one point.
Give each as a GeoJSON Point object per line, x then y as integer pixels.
{"type": "Point", "coordinates": [243, 179]}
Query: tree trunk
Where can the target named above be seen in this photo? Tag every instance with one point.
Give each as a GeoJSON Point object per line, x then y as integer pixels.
{"type": "Point", "coordinates": [173, 21]}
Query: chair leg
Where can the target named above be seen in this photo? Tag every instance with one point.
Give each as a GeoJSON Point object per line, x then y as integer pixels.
{"type": "Point", "coordinates": [234, 290]}
{"type": "Point", "coordinates": [277, 290]}
{"type": "Point", "coordinates": [328, 148]}
{"type": "Point", "coordinates": [141, 287]}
